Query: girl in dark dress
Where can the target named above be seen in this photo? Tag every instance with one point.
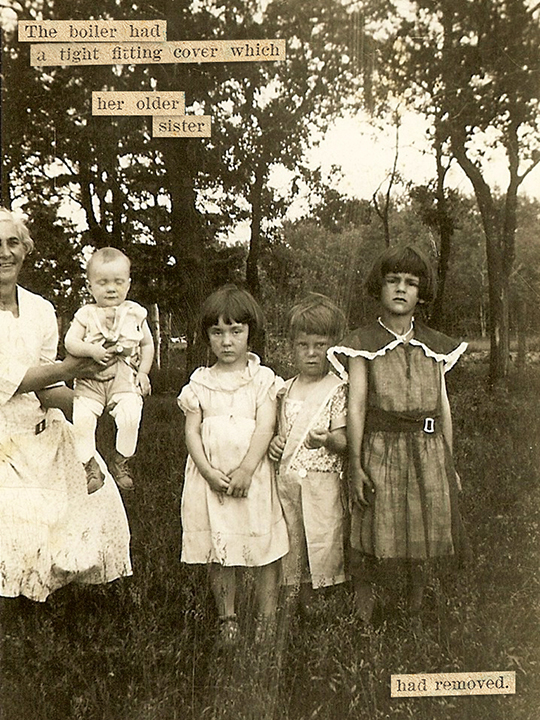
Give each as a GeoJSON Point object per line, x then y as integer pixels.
{"type": "Point", "coordinates": [403, 481]}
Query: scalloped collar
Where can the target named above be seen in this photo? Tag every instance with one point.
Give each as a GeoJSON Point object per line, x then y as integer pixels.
{"type": "Point", "coordinates": [374, 340]}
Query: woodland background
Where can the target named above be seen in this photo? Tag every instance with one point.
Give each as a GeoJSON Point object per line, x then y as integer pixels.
{"type": "Point", "coordinates": [174, 205]}
{"type": "Point", "coordinates": [143, 648]}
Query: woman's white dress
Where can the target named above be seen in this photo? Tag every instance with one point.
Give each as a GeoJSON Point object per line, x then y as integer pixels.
{"type": "Point", "coordinates": [51, 531]}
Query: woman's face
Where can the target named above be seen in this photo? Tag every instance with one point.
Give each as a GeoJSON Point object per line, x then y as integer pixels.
{"type": "Point", "coordinates": [12, 252]}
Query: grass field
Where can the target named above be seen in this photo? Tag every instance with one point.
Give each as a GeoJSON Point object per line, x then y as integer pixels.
{"type": "Point", "coordinates": [143, 648]}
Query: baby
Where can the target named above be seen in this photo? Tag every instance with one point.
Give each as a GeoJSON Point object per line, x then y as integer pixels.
{"type": "Point", "coordinates": [115, 333]}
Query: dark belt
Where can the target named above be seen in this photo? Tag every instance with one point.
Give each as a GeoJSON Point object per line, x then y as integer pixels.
{"type": "Point", "coordinates": [378, 420]}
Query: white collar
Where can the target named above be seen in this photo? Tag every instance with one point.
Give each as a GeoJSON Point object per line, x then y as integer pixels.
{"type": "Point", "coordinates": [401, 338]}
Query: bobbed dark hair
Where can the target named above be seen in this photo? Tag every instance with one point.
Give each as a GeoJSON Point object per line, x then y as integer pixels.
{"type": "Point", "coordinates": [316, 314]}
{"type": "Point", "coordinates": [402, 259]}
{"type": "Point", "coordinates": [234, 305]}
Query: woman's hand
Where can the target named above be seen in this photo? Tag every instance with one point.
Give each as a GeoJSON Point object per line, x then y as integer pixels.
{"type": "Point", "coordinates": [276, 448]}
{"type": "Point", "coordinates": [74, 367]}
{"type": "Point", "coordinates": [362, 488]}
{"type": "Point", "coordinates": [240, 483]}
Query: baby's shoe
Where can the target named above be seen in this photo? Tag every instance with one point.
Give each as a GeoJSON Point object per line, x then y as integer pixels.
{"type": "Point", "coordinates": [94, 477]}
{"type": "Point", "coordinates": [120, 471]}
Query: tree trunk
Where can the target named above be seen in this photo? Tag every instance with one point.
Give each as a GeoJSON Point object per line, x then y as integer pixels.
{"type": "Point", "coordinates": [499, 260]}
{"type": "Point", "coordinates": [522, 336]}
{"type": "Point", "coordinates": [446, 232]}
{"type": "Point", "coordinates": [499, 361]}
{"type": "Point", "coordinates": [187, 238]}
{"type": "Point", "coordinates": [253, 258]}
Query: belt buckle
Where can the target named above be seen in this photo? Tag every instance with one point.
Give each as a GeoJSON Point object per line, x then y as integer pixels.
{"type": "Point", "coordinates": [40, 427]}
{"type": "Point", "coordinates": [429, 425]}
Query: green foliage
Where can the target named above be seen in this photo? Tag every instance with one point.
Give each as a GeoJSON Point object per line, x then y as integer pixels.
{"type": "Point", "coordinates": [159, 196]}
{"type": "Point", "coordinates": [467, 68]}
{"type": "Point", "coordinates": [330, 255]}
{"type": "Point", "coordinates": [54, 268]}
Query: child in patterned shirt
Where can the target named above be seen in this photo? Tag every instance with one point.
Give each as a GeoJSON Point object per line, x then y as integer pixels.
{"type": "Point", "coordinates": [309, 450]}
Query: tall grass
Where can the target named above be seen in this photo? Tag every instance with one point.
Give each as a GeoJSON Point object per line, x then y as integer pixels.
{"type": "Point", "coordinates": [144, 648]}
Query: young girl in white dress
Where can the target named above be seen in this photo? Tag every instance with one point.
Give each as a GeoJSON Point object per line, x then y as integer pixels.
{"type": "Point", "coordinates": [231, 516]}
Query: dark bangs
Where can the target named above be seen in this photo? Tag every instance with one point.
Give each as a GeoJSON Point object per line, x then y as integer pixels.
{"type": "Point", "coordinates": [234, 305]}
{"type": "Point", "coordinates": [403, 259]}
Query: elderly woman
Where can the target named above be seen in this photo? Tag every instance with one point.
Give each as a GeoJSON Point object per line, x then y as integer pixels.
{"type": "Point", "coordinates": [51, 531]}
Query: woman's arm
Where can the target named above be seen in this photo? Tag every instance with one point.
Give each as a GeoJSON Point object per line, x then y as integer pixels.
{"type": "Point", "coordinates": [57, 397]}
{"type": "Point", "coordinates": [356, 416]}
{"type": "Point", "coordinates": [264, 430]}
{"type": "Point", "coordinates": [40, 376]}
{"type": "Point", "coordinates": [218, 481]}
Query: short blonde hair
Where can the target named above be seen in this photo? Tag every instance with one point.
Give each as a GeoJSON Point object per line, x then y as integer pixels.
{"type": "Point", "coordinates": [105, 255]}
{"type": "Point", "coordinates": [20, 228]}
{"type": "Point", "coordinates": [316, 314]}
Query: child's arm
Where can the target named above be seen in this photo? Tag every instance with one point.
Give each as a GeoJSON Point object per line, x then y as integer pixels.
{"type": "Point", "coordinates": [217, 480]}
{"type": "Point", "coordinates": [446, 416]}
{"type": "Point", "coordinates": [278, 442]}
{"type": "Point", "coordinates": [446, 419]}
{"type": "Point", "coordinates": [358, 386]}
{"type": "Point", "coordinates": [147, 357]}
{"type": "Point", "coordinates": [264, 430]}
{"type": "Point", "coordinates": [333, 440]}
{"type": "Point", "coordinates": [334, 437]}
{"type": "Point", "coordinates": [76, 346]}
{"type": "Point", "coordinates": [276, 448]}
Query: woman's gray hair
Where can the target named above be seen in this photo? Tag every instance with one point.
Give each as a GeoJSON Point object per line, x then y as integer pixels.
{"type": "Point", "coordinates": [20, 227]}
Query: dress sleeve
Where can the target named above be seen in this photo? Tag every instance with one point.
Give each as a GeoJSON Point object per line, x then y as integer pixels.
{"type": "Point", "coordinates": [12, 369]}
{"type": "Point", "coordinates": [138, 311]}
{"type": "Point", "coordinates": [268, 386]}
{"type": "Point", "coordinates": [12, 373]}
{"type": "Point", "coordinates": [188, 400]}
{"type": "Point", "coordinates": [338, 408]}
{"type": "Point", "coordinates": [49, 347]}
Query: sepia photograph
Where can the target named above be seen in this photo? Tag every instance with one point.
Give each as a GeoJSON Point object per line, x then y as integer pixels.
{"type": "Point", "coordinates": [270, 360]}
